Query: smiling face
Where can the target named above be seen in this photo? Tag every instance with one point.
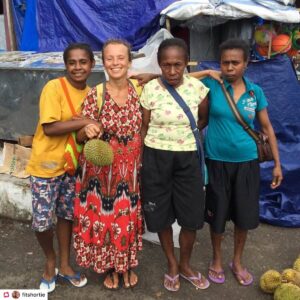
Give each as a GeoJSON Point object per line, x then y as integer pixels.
{"type": "Point", "coordinates": [116, 60]}
{"type": "Point", "coordinates": [233, 64]}
{"type": "Point", "coordinates": [173, 63]}
{"type": "Point", "coordinates": [78, 66]}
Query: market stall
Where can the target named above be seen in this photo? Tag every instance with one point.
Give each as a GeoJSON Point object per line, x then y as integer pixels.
{"type": "Point", "coordinates": [22, 77]}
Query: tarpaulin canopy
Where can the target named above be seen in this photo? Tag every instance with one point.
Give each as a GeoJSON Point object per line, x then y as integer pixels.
{"type": "Point", "coordinates": [18, 12]}
{"type": "Point", "coordinates": [25, 28]}
{"type": "Point", "coordinates": [279, 82]}
{"type": "Point", "coordinates": [52, 25]}
{"type": "Point", "coordinates": [29, 38]}
{"type": "Point", "coordinates": [232, 9]}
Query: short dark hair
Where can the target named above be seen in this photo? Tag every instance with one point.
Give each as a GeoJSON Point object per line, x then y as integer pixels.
{"type": "Point", "coordinates": [117, 42]}
{"type": "Point", "coordinates": [173, 42]}
{"type": "Point", "coordinates": [83, 46]}
{"type": "Point", "coordinates": [235, 44]}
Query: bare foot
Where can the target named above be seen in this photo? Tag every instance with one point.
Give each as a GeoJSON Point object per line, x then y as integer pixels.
{"type": "Point", "coordinates": [172, 283]}
{"type": "Point", "coordinates": [242, 275]}
{"type": "Point", "coordinates": [49, 271]}
{"type": "Point", "coordinates": [67, 270]}
{"type": "Point", "coordinates": [130, 279]}
{"type": "Point", "coordinates": [111, 281]}
{"type": "Point", "coordinates": [196, 278]}
{"type": "Point", "coordinates": [216, 273]}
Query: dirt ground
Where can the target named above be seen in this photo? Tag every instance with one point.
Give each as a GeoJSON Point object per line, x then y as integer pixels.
{"type": "Point", "coordinates": [21, 265]}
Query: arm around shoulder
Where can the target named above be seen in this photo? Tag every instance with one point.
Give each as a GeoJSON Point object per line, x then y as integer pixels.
{"type": "Point", "coordinates": [207, 73]}
{"type": "Point", "coordinates": [144, 78]}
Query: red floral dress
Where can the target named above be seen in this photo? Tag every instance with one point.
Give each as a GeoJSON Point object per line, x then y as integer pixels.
{"type": "Point", "coordinates": [108, 223]}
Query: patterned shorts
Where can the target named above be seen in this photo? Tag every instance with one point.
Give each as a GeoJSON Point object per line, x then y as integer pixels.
{"type": "Point", "coordinates": [51, 196]}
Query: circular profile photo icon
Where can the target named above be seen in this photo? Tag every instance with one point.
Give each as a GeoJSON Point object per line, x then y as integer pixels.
{"type": "Point", "coordinates": [15, 295]}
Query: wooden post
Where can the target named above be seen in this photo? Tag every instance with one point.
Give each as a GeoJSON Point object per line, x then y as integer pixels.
{"type": "Point", "coordinates": [168, 24]}
{"type": "Point", "coordinates": [270, 41]}
{"type": "Point", "coordinates": [9, 27]}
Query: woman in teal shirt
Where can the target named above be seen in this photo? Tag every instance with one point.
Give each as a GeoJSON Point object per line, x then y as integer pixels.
{"type": "Point", "coordinates": [233, 167]}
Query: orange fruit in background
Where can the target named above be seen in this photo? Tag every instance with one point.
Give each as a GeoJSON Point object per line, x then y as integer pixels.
{"type": "Point", "coordinates": [262, 50]}
{"type": "Point", "coordinates": [281, 43]}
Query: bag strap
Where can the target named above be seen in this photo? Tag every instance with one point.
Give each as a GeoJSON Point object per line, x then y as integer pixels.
{"type": "Point", "coordinates": [237, 114]}
{"type": "Point", "coordinates": [66, 92]}
{"type": "Point", "coordinates": [193, 124]}
{"type": "Point", "coordinates": [100, 89]}
{"type": "Point", "coordinates": [136, 86]}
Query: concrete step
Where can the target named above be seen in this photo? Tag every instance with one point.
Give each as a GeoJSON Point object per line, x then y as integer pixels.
{"type": "Point", "coordinates": [15, 198]}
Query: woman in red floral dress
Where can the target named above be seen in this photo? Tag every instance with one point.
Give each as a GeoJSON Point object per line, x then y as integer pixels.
{"type": "Point", "coordinates": [107, 214]}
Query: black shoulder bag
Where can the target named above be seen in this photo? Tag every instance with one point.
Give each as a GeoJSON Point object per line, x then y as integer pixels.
{"type": "Point", "coordinates": [262, 140]}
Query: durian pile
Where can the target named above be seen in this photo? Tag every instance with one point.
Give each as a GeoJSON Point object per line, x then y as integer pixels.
{"type": "Point", "coordinates": [285, 286]}
{"type": "Point", "coordinates": [98, 152]}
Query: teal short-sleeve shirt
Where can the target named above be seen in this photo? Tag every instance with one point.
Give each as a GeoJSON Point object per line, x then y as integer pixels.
{"type": "Point", "coordinates": [226, 140]}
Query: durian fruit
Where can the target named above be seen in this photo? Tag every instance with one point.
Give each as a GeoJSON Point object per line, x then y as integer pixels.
{"type": "Point", "coordinates": [287, 291]}
{"type": "Point", "coordinates": [98, 152]}
{"type": "Point", "coordinates": [296, 265]}
{"type": "Point", "coordinates": [269, 281]}
{"type": "Point", "coordinates": [292, 276]}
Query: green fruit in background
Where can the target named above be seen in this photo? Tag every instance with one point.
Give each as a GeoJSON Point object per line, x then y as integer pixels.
{"type": "Point", "coordinates": [98, 152]}
{"type": "Point", "coordinates": [296, 39]}
{"type": "Point", "coordinates": [287, 291]}
{"type": "Point", "coordinates": [269, 281]}
{"type": "Point", "coordinates": [263, 34]}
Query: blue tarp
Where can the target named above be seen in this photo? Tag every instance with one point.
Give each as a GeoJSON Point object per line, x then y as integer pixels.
{"type": "Point", "coordinates": [18, 12]}
{"type": "Point", "coordinates": [278, 79]}
{"type": "Point", "coordinates": [52, 25]}
{"type": "Point", "coordinates": [29, 40]}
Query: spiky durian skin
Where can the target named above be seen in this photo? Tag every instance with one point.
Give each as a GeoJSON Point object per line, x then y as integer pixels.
{"type": "Point", "coordinates": [269, 281]}
{"type": "Point", "coordinates": [291, 275]}
{"type": "Point", "coordinates": [287, 291]}
{"type": "Point", "coordinates": [296, 265]}
{"type": "Point", "coordinates": [98, 152]}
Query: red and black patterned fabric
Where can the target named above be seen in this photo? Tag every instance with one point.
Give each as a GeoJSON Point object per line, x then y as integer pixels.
{"type": "Point", "coordinates": [108, 222]}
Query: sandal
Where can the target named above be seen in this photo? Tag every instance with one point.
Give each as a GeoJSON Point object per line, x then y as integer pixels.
{"type": "Point", "coordinates": [172, 284]}
{"type": "Point", "coordinates": [49, 285]}
{"type": "Point", "coordinates": [78, 280]}
{"type": "Point", "coordinates": [110, 275]}
{"type": "Point", "coordinates": [243, 277]}
{"type": "Point", "coordinates": [199, 281]}
{"type": "Point", "coordinates": [216, 276]}
{"type": "Point", "coordinates": [129, 283]}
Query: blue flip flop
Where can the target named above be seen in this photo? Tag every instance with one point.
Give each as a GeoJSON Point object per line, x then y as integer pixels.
{"type": "Point", "coordinates": [49, 285]}
{"type": "Point", "coordinates": [75, 280]}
